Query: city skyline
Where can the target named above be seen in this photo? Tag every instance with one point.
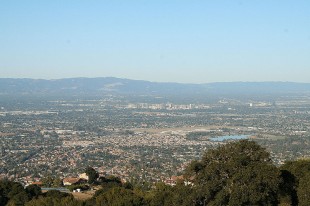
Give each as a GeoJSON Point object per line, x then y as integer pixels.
{"type": "Point", "coordinates": [173, 41]}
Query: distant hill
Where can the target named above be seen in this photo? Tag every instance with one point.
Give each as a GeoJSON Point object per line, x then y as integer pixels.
{"type": "Point", "coordinates": [111, 85]}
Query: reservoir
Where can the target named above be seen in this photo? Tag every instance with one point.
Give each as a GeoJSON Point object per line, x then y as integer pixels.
{"type": "Point", "coordinates": [232, 137]}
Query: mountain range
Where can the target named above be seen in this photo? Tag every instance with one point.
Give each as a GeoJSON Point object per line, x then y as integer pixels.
{"type": "Point", "coordinates": [111, 85]}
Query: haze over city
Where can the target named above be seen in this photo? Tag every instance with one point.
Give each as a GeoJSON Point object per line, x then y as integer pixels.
{"type": "Point", "coordinates": [162, 41]}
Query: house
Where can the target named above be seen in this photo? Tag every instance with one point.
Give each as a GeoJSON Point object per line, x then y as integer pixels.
{"type": "Point", "coordinates": [37, 183]}
{"type": "Point", "coordinates": [174, 179]}
{"type": "Point", "coordinates": [83, 176]}
{"type": "Point", "coordinates": [73, 181]}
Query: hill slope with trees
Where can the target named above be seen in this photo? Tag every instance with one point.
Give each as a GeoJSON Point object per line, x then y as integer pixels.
{"type": "Point", "coordinates": [238, 173]}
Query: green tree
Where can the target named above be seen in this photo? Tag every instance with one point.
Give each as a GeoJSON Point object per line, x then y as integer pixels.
{"type": "Point", "coordinates": [3, 198]}
{"type": "Point", "coordinates": [92, 175]}
{"type": "Point", "coordinates": [293, 172]}
{"type": "Point", "coordinates": [183, 195]}
{"type": "Point", "coordinates": [303, 191]}
{"type": "Point", "coordinates": [33, 191]}
{"type": "Point", "coordinates": [57, 182]}
{"type": "Point", "coordinates": [193, 169]}
{"type": "Point", "coordinates": [43, 201]}
{"type": "Point", "coordinates": [238, 173]}
{"type": "Point", "coordinates": [54, 201]}
{"type": "Point", "coordinates": [56, 194]}
{"type": "Point", "coordinates": [47, 181]}
{"type": "Point", "coordinates": [161, 195]}
{"type": "Point", "coordinates": [165, 195]}
{"type": "Point", "coordinates": [14, 189]}
{"type": "Point", "coordinates": [18, 199]}
{"type": "Point", "coordinates": [119, 196]}
{"type": "Point", "coordinates": [12, 193]}
{"type": "Point", "coordinates": [254, 185]}
{"type": "Point", "coordinates": [287, 191]}
{"type": "Point", "coordinates": [298, 168]}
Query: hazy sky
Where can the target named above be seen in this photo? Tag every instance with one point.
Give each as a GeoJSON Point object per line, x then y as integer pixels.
{"type": "Point", "coordinates": [157, 40]}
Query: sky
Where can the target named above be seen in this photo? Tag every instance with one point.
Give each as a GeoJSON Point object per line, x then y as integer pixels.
{"type": "Point", "coordinates": [156, 40]}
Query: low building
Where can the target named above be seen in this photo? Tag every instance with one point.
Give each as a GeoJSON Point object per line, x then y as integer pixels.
{"type": "Point", "coordinates": [83, 176]}
{"type": "Point", "coordinates": [73, 181]}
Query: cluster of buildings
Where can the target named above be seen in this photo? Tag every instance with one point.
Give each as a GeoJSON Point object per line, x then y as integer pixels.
{"type": "Point", "coordinates": [131, 140]}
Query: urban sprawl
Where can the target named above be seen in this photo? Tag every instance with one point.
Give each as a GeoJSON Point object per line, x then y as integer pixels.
{"type": "Point", "coordinates": [140, 141]}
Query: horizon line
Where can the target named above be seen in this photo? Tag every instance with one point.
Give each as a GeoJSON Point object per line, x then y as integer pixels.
{"type": "Point", "coordinates": [102, 77]}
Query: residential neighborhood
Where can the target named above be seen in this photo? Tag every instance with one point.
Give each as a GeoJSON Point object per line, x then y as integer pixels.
{"type": "Point", "coordinates": [140, 141]}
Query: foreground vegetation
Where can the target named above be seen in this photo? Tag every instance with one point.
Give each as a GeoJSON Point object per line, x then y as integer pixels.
{"type": "Point", "coordinates": [238, 173]}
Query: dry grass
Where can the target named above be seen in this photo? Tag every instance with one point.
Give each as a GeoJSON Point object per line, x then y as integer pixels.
{"type": "Point", "coordinates": [82, 195]}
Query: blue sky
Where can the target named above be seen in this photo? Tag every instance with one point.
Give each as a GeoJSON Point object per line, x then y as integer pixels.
{"type": "Point", "coordinates": [157, 40]}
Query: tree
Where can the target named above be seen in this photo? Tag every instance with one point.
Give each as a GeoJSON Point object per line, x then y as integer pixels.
{"type": "Point", "coordinates": [15, 189]}
{"type": "Point", "coordinates": [238, 173]}
{"type": "Point", "coordinates": [254, 185]}
{"type": "Point", "coordinates": [18, 199]}
{"type": "Point", "coordinates": [57, 182]}
{"type": "Point", "coordinates": [119, 196]}
{"type": "Point", "coordinates": [92, 175]}
{"type": "Point", "coordinates": [33, 191]}
{"type": "Point", "coordinates": [54, 201]}
{"type": "Point", "coordinates": [287, 191]}
{"type": "Point", "coordinates": [193, 168]}
{"type": "Point", "coordinates": [295, 174]}
{"type": "Point", "coordinates": [165, 195]}
{"type": "Point", "coordinates": [43, 201]}
{"type": "Point", "coordinates": [298, 168]}
{"type": "Point", "coordinates": [161, 195]}
{"type": "Point", "coordinates": [12, 193]}
{"type": "Point", "coordinates": [48, 181]}
{"type": "Point", "coordinates": [56, 194]}
{"type": "Point", "coordinates": [3, 198]}
{"type": "Point", "coordinates": [303, 191]}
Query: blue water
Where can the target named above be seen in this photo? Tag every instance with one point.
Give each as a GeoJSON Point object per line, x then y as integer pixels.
{"type": "Point", "coordinates": [233, 137]}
